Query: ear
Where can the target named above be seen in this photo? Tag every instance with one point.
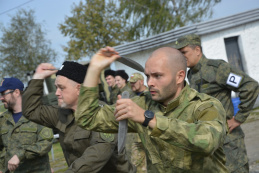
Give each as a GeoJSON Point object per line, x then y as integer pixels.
{"type": "Point", "coordinates": [17, 92]}
{"type": "Point", "coordinates": [180, 76]}
{"type": "Point", "coordinates": [78, 86]}
{"type": "Point", "coordinates": [197, 50]}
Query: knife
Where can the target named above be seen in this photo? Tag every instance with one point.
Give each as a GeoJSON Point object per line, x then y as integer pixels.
{"type": "Point", "coordinates": [131, 63]}
{"type": "Point", "coordinates": [123, 127]}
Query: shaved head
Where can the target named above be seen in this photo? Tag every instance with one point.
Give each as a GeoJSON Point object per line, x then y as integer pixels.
{"type": "Point", "coordinates": [174, 58]}
{"type": "Point", "coordinates": [165, 70]}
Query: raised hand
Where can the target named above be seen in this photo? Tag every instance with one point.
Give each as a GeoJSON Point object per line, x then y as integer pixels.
{"type": "Point", "coordinates": [44, 70]}
{"type": "Point", "coordinates": [104, 57]}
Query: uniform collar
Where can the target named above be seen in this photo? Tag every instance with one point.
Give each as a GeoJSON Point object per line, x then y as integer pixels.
{"type": "Point", "coordinates": [198, 66]}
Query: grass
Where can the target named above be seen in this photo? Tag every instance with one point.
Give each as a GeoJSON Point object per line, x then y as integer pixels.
{"type": "Point", "coordinates": [59, 163]}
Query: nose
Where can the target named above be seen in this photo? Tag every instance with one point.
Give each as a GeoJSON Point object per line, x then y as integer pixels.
{"type": "Point", "coordinates": [150, 82]}
{"type": "Point", "coordinates": [57, 93]}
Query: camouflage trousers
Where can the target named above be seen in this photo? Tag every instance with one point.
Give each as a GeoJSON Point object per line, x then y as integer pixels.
{"type": "Point", "coordinates": [136, 152]}
{"type": "Point", "coordinates": [235, 150]}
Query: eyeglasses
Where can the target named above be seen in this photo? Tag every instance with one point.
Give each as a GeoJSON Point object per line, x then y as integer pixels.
{"type": "Point", "coordinates": [3, 94]}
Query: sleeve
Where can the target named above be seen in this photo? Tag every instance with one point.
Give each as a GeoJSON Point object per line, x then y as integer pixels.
{"type": "Point", "coordinates": [2, 159]}
{"type": "Point", "coordinates": [90, 116]}
{"type": "Point", "coordinates": [41, 147]}
{"type": "Point", "coordinates": [93, 159]}
{"type": "Point", "coordinates": [32, 106]}
{"type": "Point", "coordinates": [204, 136]}
{"type": "Point", "coordinates": [237, 81]}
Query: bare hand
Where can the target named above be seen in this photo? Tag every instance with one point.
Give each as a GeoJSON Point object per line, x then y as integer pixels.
{"type": "Point", "coordinates": [127, 109]}
{"type": "Point", "coordinates": [13, 163]}
{"type": "Point", "coordinates": [44, 70]}
{"type": "Point", "coordinates": [232, 124]}
{"type": "Point", "coordinates": [104, 57]}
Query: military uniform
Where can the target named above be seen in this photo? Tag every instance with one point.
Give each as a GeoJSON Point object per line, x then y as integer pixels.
{"type": "Point", "coordinates": [113, 94]}
{"type": "Point", "coordinates": [217, 78]}
{"type": "Point", "coordinates": [31, 142]}
{"type": "Point", "coordinates": [188, 136]}
{"type": "Point", "coordinates": [84, 151]}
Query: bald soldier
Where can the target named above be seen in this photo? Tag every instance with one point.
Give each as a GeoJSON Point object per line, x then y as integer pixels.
{"type": "Point", "coordinates": [217, 78]}
{"type": "Point", "coordinates": [181, 129]}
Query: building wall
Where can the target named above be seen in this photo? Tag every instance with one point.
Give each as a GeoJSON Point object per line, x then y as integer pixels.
{"type": "Point", "coordinates": [248, 40]}
{"type": "Point", "coordinates": [214, 48]}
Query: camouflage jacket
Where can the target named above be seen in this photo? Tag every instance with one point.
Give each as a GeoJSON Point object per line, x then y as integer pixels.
{"type": "Point", "coordinates": [31, 142]}
{"type": "Point", "coordinates": [217, 78]}
{"type": "Point", "coordinates": [188, 136]}
{"type": "Point", "coordinates": [84, 151]}
{"type": "Point", "coordinates": [127, 88]}
{"type": "Point", "coordinates": [113, 94]}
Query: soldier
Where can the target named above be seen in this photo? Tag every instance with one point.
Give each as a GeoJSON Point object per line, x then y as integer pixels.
{"type": "Point", "coordinates": [137, 83]}
{"type": "Point", "coordinates": [84, 151]}
{"type": "Point", "coordinates": [138, 154]}
{"type": "Point", "coordinates": [181, 129]}
{"type": "Point", "coordinates": [121, 80]}
{"type": "Point", "coordinates": [217, 78]}
{"type": "Point", "coordinates": [25, 144]}
{"type": "Point", "coordinates": [110, 79]}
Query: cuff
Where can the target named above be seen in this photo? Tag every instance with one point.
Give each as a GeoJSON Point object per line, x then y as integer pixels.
{"type": "Point", "coordinates": [240, 118]}
{"type": "Point", "coordinates": [162, 124]}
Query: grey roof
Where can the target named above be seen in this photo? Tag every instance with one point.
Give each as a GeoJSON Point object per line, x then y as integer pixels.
{"type": "Point", "coordinates": [199, 28]}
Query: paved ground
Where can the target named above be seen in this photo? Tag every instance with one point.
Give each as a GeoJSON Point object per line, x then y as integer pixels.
{"type": "Point", "coordinates": [251, 131]}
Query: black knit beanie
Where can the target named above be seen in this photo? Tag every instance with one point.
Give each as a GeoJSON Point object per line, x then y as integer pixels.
{"type": "Point", "coordinates": [109, 72]}
{"type": "Point", "coordinates": [73, 70]}
{"type": "Point", "coordinates": [122, 74]}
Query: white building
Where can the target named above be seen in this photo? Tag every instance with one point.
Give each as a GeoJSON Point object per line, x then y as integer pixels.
{"type": "Point", "coordinates": [234, 39]}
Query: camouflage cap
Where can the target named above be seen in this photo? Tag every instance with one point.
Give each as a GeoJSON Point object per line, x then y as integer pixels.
{"type": "Point", "coordinates": [135, 77]}
{"type": "Point", "coordinates": [191, 39]}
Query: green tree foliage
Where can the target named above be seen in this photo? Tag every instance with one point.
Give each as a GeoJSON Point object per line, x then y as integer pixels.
{"type": "Point", "coordinates": [23, 46]}
{"type": "Point", "coordinates": [94, 24]}
{"type": "Point", "coordinates": [150, 17]}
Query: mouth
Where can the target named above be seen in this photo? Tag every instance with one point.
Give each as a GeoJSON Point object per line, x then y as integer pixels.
{"type": "Point", "coordinates": [152, 91]}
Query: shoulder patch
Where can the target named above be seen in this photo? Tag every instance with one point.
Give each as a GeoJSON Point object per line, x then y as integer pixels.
{"type": "Point", "coordinates": [46, 133]}
{"type": "Point", "coordinates": [234, 80]}
{"type": "Point", "coordinates": [107, 137]}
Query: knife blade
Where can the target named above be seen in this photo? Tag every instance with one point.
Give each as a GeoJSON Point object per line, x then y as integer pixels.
{"type": "Point", "coordinates": [123, 127]}
{"type": "Point", "coordinates": [131, 63]}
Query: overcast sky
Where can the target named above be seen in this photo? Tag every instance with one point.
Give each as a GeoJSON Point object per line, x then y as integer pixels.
{"type": "Point", "coordinates": [52, 12]}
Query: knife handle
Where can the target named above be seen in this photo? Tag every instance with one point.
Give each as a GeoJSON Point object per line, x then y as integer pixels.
{"type": "Point", "coordinates": [125, 95]}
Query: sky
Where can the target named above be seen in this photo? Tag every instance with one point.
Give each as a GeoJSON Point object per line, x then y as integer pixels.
{"type": "Point", "coordinates": [51, 13]}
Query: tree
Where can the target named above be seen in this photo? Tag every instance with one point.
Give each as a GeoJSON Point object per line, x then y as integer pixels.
{"type": "Point", "coordinates": [94, 24]}
{"type": "Point", "coordinates": [150, 17]}
{"type": "Point", "coordinates": [23, 46]}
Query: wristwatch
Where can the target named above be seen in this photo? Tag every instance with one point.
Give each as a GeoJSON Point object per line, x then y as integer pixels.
{"type": "Point", "coordinates": [149, 115]}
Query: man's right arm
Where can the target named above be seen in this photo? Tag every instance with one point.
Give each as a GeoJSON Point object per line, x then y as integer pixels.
{"type": "Point", "coordinates": [32, 105]}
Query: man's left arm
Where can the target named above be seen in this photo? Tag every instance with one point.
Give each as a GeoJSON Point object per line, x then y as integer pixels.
{"type": "Point", "coordinates": [248, 90]}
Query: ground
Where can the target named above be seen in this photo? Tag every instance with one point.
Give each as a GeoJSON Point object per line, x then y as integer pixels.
{"type": "Point", "coordinates": [251, 130]}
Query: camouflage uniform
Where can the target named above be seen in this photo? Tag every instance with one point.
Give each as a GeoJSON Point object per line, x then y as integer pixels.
{"type": "Point", "coordinates": [113, 94]}
{"type": "Point", "coordinates": [188, 136]}
{"type": "Point", "coordinates": [213, 77]}
{"type": "Point", "coordinates": [217, 78]}
{"type": "Point", "coordinates": [29, 141]}
{"type": "Point", "coordinates": [84, 151]}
